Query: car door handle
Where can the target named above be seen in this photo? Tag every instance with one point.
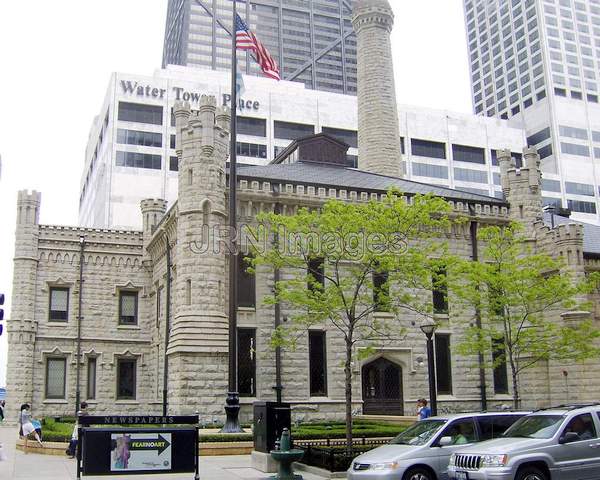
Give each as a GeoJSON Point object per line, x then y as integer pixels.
{"type": "Point", "coordinates": [595, 445]}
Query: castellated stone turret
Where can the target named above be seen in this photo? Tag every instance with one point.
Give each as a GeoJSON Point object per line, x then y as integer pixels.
{"type": "Point", "coordinates": [198, 344]}
{"type": "Point", "coordinates": [22, 326]}
{"type": "Point", "coordinates": [522, 187]}
{"type": "Point", "coordinates": [378, 130]}
{"type": "Point", "coordinates": [153, 210]}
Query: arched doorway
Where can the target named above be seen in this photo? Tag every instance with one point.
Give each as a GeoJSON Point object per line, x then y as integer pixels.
{"type": "Point", "coordinates": [382, 388]}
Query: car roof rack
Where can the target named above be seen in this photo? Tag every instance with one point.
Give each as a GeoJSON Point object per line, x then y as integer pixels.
{"type": "Point", "coordinates": [570, 406]}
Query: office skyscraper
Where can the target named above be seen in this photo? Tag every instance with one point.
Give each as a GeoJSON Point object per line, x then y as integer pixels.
{"type": "Point", "coordinates": [536, 63]}
{"type": "Point", "coordinates": [312, 40]}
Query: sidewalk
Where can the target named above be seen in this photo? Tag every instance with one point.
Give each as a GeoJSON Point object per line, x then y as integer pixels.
{"type": "Point", "coordinates": [49, 467]}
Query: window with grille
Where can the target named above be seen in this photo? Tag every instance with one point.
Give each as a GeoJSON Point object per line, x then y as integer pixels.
{"type": "Point", "coordinates": [247, 362]}
{"type": "Point", "coordinates": [126, 379]}
{"type": "Point", "coordinates": [91, 378]}
{"type": "Point", "coordinates": [381, 291]}
{"type": "Point", "coordinates": [128, 308]}
{"type": "Point", "coordinates": [316, 272]}
{"type": "Point", "coordinates": [317, 358]}
{"type": "Point", "coordinates": [246, 283]}
{"type": "Point", "coordinates": [59, 304]}
{"type": "Point", "coordinates": [440, 291]}
{"type": "Point", "coordinates": [500, 372]}
{"type": "Point", "coordinates": [56, 378]}
{"type": "Point", "coordinates": [443, 364]}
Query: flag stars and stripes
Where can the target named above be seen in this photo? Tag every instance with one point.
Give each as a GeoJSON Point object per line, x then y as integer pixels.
{"type": "Point", "coordinates": [246, 40]}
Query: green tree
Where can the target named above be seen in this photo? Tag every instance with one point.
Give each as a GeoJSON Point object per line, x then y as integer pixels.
{"type": "Point", "coordinates": [344, 262]}
{"type": "Point", "coordinates": [520, 296]}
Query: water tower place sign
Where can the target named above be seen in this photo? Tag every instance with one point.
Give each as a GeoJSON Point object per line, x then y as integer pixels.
{"type": "Point", "coordinates": [148, 91]}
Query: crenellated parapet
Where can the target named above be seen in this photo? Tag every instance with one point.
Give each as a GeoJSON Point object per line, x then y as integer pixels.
{"type": "Point", "coordinates": [372, 13]}
{"type": "Point", "coordinates": [564, 241]}
{"type": "Point", "coordinates": [309, 195]}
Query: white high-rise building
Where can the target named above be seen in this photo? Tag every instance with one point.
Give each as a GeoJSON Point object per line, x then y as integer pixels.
{"type": "Point", "coordinates": [536, 63]}
{"type": "Point", "coordinates": [131, 148]}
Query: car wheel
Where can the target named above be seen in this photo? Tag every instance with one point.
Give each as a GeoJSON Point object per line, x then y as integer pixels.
{"type": "Point", "coordinates": [418, 474]}
{"type": "Point", "coordinates": [531, 473]}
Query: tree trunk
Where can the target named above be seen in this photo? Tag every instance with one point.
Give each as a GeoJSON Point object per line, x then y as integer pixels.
{"type": "Point", "coordinates": [515, 384]}
{"type": "Point", "coordinates": [348, 372]}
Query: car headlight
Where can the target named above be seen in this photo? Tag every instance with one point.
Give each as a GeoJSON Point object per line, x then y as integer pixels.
{"type": "Point", "coordinates": [385, 466]}
{"type": "Point", "coordinates": [452, 459]}
{"type": "Point", "coordinates": [494, 460]}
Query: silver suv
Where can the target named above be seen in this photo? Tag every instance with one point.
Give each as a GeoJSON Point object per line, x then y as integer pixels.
{"type": "Point", "coordinates": [422, 451]}
{"type": "Point", "coordinates": [560, 443]}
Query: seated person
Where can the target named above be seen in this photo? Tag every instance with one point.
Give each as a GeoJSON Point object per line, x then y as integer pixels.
{"type": "Point", "coordinates": [461, 433]}
{"type": "Point", "coordinates": [583, 426]}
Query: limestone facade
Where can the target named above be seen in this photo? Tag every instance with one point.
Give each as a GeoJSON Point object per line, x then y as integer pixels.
{"type": "Point", "coordinates": [195, 320]}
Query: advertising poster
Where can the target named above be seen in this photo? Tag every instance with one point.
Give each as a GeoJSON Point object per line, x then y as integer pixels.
{"type": "Point", "coordinates": [140, 451]}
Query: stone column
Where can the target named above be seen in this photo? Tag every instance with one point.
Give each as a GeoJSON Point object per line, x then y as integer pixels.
{"type": "Point", "coordinates": [198, 344]}
{"type": "Point", "coordinates": [22, 325]}
{"type": "Point", "coordinates": [378, 130]}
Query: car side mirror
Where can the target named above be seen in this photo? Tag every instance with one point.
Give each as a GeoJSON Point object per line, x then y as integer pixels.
{"type": "Point", "coordinates": [445, 441]}
{"type": "Point", "coordinates": [569, 437]}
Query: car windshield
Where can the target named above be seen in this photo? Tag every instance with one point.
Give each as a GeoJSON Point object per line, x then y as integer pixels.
{"type": "Point", "coordinates": [535, 426]}
{"type": "Point", "coordinates": [419, 433]}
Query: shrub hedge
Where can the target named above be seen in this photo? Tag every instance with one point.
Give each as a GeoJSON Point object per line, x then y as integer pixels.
{"type": "Point", "coordinates": [61, 431]}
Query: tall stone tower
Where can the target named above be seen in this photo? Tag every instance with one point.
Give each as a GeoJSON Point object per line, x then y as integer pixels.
{"type": "Point", "coordinates": [22, 326]}
{"type": "Point", "coordinates": [522, 188]}
{"type": "Point", "coordinates": [198, 345]}
{"type": "Point", "coordinates": [378, 130]}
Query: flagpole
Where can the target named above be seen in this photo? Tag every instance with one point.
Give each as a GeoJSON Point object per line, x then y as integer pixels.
{"type": "Point", "coordinates": [232, 407]}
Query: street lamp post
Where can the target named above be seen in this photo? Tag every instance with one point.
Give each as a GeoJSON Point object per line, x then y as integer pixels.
{"type": "Point", "coordinates": [79, 318]}
{"type": "Point", "coordinates": [429, 329]}
{"type": "Point", "coordinates": [276, 277]}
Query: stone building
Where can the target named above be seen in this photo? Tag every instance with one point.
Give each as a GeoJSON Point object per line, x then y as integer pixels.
{"type": "Point", "coordinates": [125, 313]}
{"type": "Point", "coordinates": [150, 311]}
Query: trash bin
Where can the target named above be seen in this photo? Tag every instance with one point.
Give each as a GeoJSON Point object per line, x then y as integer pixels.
{"type": "Point", "coordinates": [270, 418]}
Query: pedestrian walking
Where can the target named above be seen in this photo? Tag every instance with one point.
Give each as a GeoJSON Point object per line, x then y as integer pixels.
{"type": "Point", "coordinates": [423, 411]}
{"type": "Point", "coordinates": [72, 449]}
{"type": "Point", "coordinates": [26, 428]}
{"type": "Point", "coordinates": [2, 406]}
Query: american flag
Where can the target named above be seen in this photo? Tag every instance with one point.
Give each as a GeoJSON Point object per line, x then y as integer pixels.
{"type": "Point", "coordinates": [246, 40]}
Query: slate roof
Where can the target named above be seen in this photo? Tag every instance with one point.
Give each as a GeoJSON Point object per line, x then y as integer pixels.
{"type": "Point", "coordinates": [322, 175]}
{"type": "Point", "coordinates": [591, 233]}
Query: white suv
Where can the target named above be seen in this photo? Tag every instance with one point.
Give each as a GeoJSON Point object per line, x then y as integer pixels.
{"type": "Point", "coordinates": [560, 443]}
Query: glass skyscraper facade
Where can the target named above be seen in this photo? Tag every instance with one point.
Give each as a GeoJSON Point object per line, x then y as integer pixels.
{"type": "Point", "coordinates": [537, 64]}
{"type": "Point", "coordinates": [312, 40]}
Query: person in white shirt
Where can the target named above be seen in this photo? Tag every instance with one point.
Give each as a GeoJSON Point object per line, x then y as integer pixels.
{"type": "Point", "coordinates": [72, 449]}
{"type": "Point", "coordinates": [26, 428]}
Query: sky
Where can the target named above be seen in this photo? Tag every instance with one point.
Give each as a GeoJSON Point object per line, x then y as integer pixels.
{"type": "Point", "coordinates": [56, 59]}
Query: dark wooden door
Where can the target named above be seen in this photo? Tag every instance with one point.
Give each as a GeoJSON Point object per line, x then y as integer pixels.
{"type": "Point", "coordinates": [382, 388]}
